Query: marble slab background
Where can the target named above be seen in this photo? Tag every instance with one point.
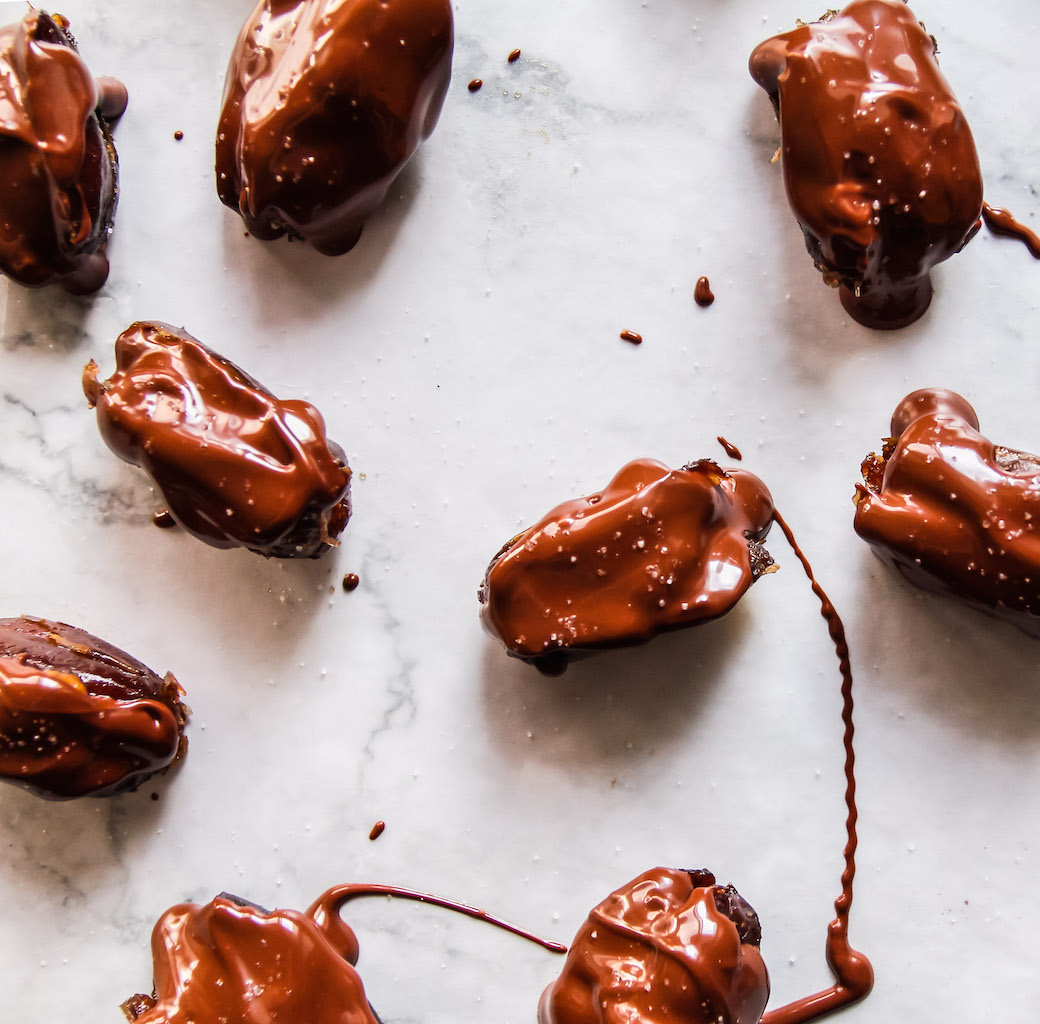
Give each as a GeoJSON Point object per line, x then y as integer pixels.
{"type": "Point", "coordinates": [466, 355]}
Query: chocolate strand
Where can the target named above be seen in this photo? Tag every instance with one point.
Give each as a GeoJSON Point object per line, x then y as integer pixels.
{"type": "Point", "coordinates": [326, 908]}
{"type": "Point", "coordinates": [853, 974]}
{"type": "Point", "coordinates": [1002, 222]}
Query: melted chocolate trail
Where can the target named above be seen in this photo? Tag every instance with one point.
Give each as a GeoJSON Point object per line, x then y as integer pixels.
{"type": "Point", "coordinates": [632, 337]}
{"type": "Point", "coordinates": [164, 520]}
{"type": "Point", "coordinates": [853, 974]}
{"type": "Point", "coordinates": [657, 549]}
{"type": "Point", "coordinates": [1001, 222]}
{"type": "Point", "coordinates": [324, 104]}
{"type": "Point", "coordinates": [332, 901]}
{"type": "Point", "coordinates": [351, 582]}
{"type": "Point", "coordinates": [885, 183]}
{"type": "Point", "coordinates": [514, 56]}
{"type": "Point", "coordinates": [377, 830]}
{"type": "Point", "coordinates": [730, 449]}
{"type": "Point", "coordinates": [953, 512]}
{"type": "Point", "coordinates": [672, 946]}
{"type": "Point", "coordinates": [702, 293]}
{"type": "Point", "coordinates": [57, 161]}
{"type": "Point", "coordinates": [231, 960]}
{"type": "Point", "coordinates": [236, 466]}
{"type": "Point", "coordinates": [475, 85]}
{"type": "Point", "coordinates": [79, 717]}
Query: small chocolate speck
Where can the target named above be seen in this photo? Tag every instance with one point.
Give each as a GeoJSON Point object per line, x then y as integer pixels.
{"type": "Point", "coordinates": [731, 449]}
{"type": "Point", "coordinates": [514, 56]}
{"type": "Point", "coordinates": [631, 337]}
{"type": "Point", "coordinates": [702, 293]}
{"type": "Point", "coordinates": [475, 85]}
{"type": "Point", "coordinates": [351, 581]}
{"type": "Point", "coordinates": [155, 796]}
{"type": "Point", "coordinates": [377, 830]}
{"type": "Point", "coordinates": [178, 135]}
{"type": "Point", "coordinates": [164, 520]}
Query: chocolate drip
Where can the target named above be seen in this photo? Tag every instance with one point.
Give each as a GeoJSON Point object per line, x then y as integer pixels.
{"type": "Point", "coordinates": [236, 466]}
{"type": "Point", "coordinates": [853, 974]}
{"type": "Point", "coordinates": [655, 550]}
{"type": "Point", "coordinates": [702, 293]}
{"type": "Point", "coordinates": [952, 511]}
{"type": "Point", "coordinates": [57, 161]}
{"type": "Point", "coordinates": [632, 337]}
{"type": "Point", "coordinates": [475, 85]}
{"type": "Point", "coordinates": [879, 164]}
{"type": "Point", "coordinates": [674, 946]}
{"type": "Point", "coordinates": [1001, 222]}
{"type": "Point", "coordinates": [324, 104]}
{"type": "Point", "coordinates": [377, 830]}
{"type": "Point", "coordinates": [730, 449]}
{"type": "Point", "coordinates": [514, 56]}
{"type": "Point", "coordinates": [79, 717]}
{"type": "Point", "coordinates": [232, 960]}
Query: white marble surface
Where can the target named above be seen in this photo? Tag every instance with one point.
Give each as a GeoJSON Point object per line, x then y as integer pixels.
{"type": "Point", "coordinates": [466, 355]}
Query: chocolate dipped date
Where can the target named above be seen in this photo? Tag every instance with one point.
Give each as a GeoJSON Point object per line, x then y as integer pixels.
{"type": "Point", "coordinates": [671, 945]}
{"type": "Point", "coordinates": [657, 549]}
{"type": "Point", "coordinates": [231, 960]}
{"type": "Point", "coordinates": [878, 161]}
{"type": "Point", "coordinates": [952, 511]}
{"type": "Point", "coordinates": [325, 101]}
{"type": "Point", "coordinates": [79, 717]}
{"type": "Point", "coordinates": [57, 160]}
{"type": "Point", "coordinates": [236, 466]}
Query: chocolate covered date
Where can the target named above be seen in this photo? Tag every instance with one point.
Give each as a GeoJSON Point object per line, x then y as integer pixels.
{"type": "Point", "coordinates": [325, 101]}
{"type": "Point", "coordinates": [231, 961]}
{"type": "Point", "coordinates": [952, 511]}
{"type": "Point", "coordinates": [79, 717]}
{"type": "Point", "coordinates": [657, 549]}
{"type": "Point", "coordinates": [57, 161]}
{"type": "Point", "coordinates": [671, 945]}
{"type": "Point", "coordinates": [879, 164]}
{"type": "Point", "coordinates": [236, 466]}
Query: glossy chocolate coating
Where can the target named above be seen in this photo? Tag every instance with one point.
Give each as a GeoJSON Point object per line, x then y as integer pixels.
{"type": "Point", "coordinates": [655, 550]}
{"type": "Point", "coordinates": [232, 961]}
{"type": "Point", "coordinates": [324, 103]}
{"type": "Point", "coordinates": [669, 946]}
{"type": "Point", "coordinates": [57, 161]}
{"type": "Point", "coordinates": [236, 466]}
{"type": "Point", "coordinates": [954, 512]}
{"type": "Point", "coordinates": [79, 717]}
{"type": "Point", "coordinates": [879, 164]}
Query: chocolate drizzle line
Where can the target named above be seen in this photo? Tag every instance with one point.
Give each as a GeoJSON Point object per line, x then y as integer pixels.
{"type": "Point", "coordinates": [854, 977]}
{"type": "Point", "coordinates": [326, 908]}
{"type": "Point", "coordinates": [1002, 222]}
